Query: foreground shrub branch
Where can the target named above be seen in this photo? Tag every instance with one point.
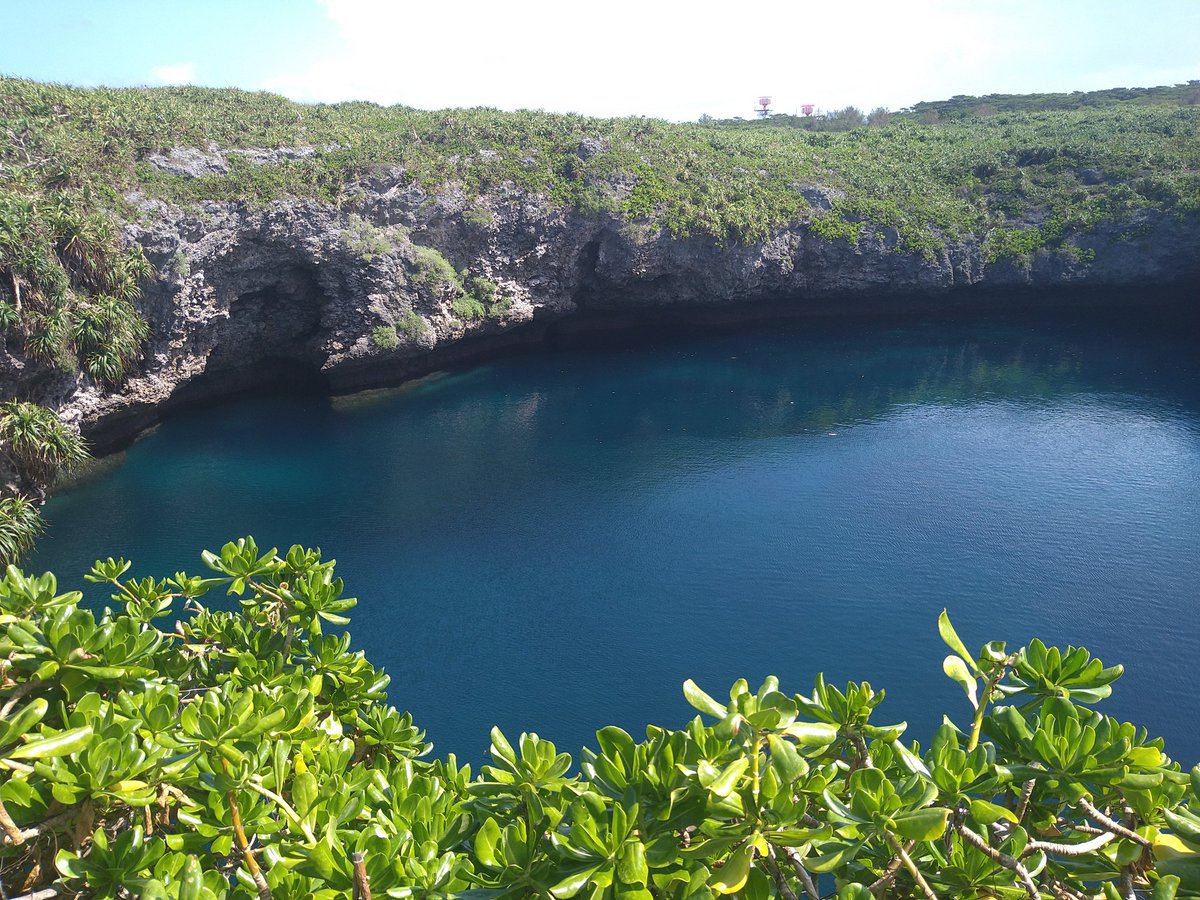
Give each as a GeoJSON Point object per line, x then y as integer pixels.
{"type": "Point", "coordinates": [250, 754]}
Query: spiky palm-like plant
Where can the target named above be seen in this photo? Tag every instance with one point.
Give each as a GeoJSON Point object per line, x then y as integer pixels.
{"type": "Point", "coordinates": [108, 333]}
{"type": "Point", "coordinates": [38, 442]}
{"type": "Point", "coordinates": [20, 524]}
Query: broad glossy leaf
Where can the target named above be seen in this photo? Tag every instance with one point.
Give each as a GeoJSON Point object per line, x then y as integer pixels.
{"type": "Point", "coordinates": [1166, 888]}
{"type": "Point", "coordinates": [951, 639]}
{"type": "Point", "coordinates": [812, 734]}
{"type": "Point", "coordinates": [732, 876]}
{"type": "Point", "coordinates": [922, 824]}
{"type": "Point", "coordinates": [986, 812]}
{"type": "Point", "coordinates": [957, 670]}
{"type": "Point", "coordinates": [786, 760]}
{"type": "Point", "coordinates": [758, 886]}
{"type": "Point", "coordinates": [487, 838]}
{"type": "Point", "coordinates": [833, 858]}
{"type": "Point", "coordinates": [702, 701]}
{"type": "Point", "coordinates": [1185, 868]}
{"type": "Point", "coordinates": [631, 864]}
{"type": "Point", "coordinates": [572, 884]}
{"type": "Point", "coordinates": [61, 744]}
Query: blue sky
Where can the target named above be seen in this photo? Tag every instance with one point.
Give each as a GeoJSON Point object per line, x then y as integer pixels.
{"type": "Point", "coordinates": [651, 57]}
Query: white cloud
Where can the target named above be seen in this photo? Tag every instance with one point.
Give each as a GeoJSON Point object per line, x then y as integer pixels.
{"type": "Point", "coordinates": [675, 59]}
{"type": "Point", "coordinates": [180, 73]}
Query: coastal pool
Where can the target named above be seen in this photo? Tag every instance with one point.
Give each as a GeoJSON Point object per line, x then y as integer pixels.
{"type": "Point", "coordinates": [554, 541]}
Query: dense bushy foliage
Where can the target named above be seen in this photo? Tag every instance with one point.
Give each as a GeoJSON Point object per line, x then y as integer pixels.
{"type": "Point", "coordinates": [37, 440]}
{"type": "Point", "coordinates": [962, 105]}
{"type": "Point", "coordinates": [20, 526]}
{"type": "Point", "coordinates": [1074, 168]}
{"type": "Point", "coordinates": [242, 753]}
{"type": "Point", "coordinates": [35, 443]}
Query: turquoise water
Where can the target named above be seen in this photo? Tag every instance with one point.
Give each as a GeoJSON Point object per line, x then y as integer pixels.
{"type": "Point", "coordinates": [554, 542]}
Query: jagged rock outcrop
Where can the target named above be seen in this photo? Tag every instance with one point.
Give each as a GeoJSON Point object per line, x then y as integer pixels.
{"type": "Point", "coordinates": [352, 295]}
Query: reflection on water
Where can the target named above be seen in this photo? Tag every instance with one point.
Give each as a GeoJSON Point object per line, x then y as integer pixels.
{"type": "Point", "coordinates": [554, 542]}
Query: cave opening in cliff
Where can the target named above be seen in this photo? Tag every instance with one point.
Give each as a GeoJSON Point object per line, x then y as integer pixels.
{"type": "Point", "coordinates": [271, 339]}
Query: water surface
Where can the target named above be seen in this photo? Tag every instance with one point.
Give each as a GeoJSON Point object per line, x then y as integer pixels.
{"type": "Point", "coordinates": [553, 542]}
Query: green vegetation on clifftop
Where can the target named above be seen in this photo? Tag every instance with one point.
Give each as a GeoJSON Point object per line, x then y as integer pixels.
{"type": "Point", "coordinates": [1078, 167]}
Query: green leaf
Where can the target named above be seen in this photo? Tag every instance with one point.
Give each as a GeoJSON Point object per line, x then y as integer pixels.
{"type": "Point", "coordinates": [62, 744]}
{"type": "Point", "coordinates": [631, 864]}
{"type": "Point", "coordinates": [702, 701]}
{"type": "Point", "coordinates": [191, 880]}
{"type": "Point", "coordinates": [304, 792]}
{"type": "Point", "coordinates": [954, 642]}
{"type": "Point", "coordinates": [957, 670]}
{"type": "Point", "coordinates": [786, 760]}
{"type": "Point", "coordinates": [832, 859]}
{"type": "Point", "coordinates": [1185, 868]}
{"type": "Point", "coordinates": [841, 810]}
{"type": "Point", "coordinates": [732, 876]}
{"type": "Point", "coordinates": [986, 813]}
{"type": "Point", "coordinates": [1166, 888]}
{"type": "Point", "coordinates": [758, 886]}
{"type": "Point", "coordinates": [573, 883]}
{"type": "Point", "coordinates": [28, 716]}
{"type": "Point", "coordinates": [727, 780]}
{"type": "Point", "coordinates": [486, 841]}
{"type": "Point", "coordinates": [922, 824]}
{"type": "Point", "coordinates": [812, 734]}
{"type": "Point", "coordinates": [501, 748]}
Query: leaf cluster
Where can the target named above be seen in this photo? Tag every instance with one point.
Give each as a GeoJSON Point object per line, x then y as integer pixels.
{"type": "Point", "coordinates": [249, 753]}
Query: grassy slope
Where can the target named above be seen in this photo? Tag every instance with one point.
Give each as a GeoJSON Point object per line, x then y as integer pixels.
{"type": "Point", "coordinates": [930, 182]}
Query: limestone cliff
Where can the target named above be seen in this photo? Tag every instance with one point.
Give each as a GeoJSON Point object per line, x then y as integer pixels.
{"type": "Point", "coordinates": [357, 296]}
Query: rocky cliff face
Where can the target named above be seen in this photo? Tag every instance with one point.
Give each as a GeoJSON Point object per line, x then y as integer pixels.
{"type": "Point", "coordinates": [352, 295]}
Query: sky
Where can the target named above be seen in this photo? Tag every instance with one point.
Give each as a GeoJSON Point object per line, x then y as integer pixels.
{"type": "Point", "coordinates": [673, 60]}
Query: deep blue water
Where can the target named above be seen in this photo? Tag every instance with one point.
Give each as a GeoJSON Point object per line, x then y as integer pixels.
{"type": "Point", "coordinates": [554, 542]}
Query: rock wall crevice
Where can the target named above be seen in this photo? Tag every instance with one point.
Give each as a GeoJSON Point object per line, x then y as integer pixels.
{"type": "Point", "coordinates": [316, 291]}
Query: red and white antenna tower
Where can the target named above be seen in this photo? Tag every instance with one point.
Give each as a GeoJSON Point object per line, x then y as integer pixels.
{"type": "Point", "coordinates": [764, 107]}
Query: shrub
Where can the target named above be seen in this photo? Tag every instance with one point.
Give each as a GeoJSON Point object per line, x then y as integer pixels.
{"type": "Point", "coordinates": [20, 525]}
{"type": "Point", "coordinates": [365, 239]}
{"type": "Point", "coordinates": [248, 753]}
{"type": "Point", "coordinates": [479, 216]}
{"type": "Point", "coordinates": [432, 270]}
{"type": "Point", "coordinates": [467, 308]}
{"type": "Point", "coordinates": [74, 150]}
{"type": "Point", "coordinates": [180, 265]}
{"type": "Point", "coordinates": [384, 337]}
{"type": "Point", "coordinates": [108, 333]}
{"type": "Point", "coordinates": [412, 326]}
{"type": "Point", "coordinates": [38, 442]}
{"type": "Point", "coordinates": [482, 289]}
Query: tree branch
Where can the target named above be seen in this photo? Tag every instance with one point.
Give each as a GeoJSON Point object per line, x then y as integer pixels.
{"type": "Point", "coordinates": [911, 866]}
{"type": "Point", "coordinates": [1111, 825]}
{"type": "Point", "coordinates": [260, 882]}
{"type": "Point", "coordinates": [362, 884]}
{"type": "Point", "coordinates": [1012, 864]}
{"type": "Point", "coordinates": [781, 885]}
{"type": "Point", "coordinates": [1068, 849]}
{"type": "Point", "coordinates": [1026, 794]}
{"type": "Point", "coordinates": [802, 873]}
